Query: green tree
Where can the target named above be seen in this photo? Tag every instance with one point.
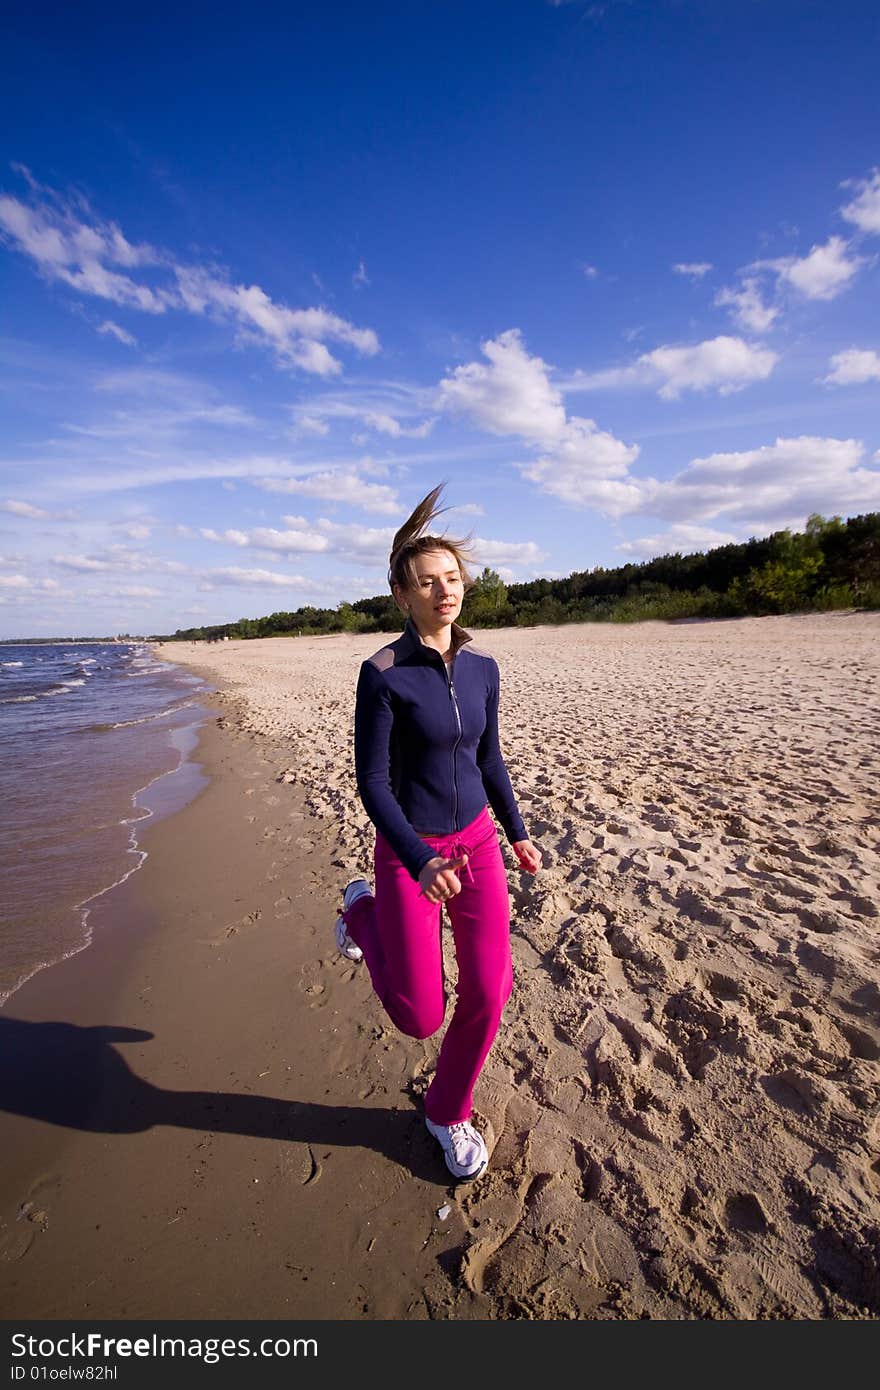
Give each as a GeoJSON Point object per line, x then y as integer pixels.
{"type": "Point", "coordinates": [486, 600]}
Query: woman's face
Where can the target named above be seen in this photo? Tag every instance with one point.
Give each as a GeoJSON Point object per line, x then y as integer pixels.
{"type": "Point", "coordinates": [436, 597]}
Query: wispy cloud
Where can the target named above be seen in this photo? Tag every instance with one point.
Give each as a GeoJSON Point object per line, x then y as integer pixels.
{"type": "Point", "coordinates": [25, 509]}
{"type": "Point", "coordinates": [114, 330]}
{"type": "Point", "coordinates": [71, 245]}
{"type": "Point", "coordinates": [394, 408]}
{"type": "Point", "coordinates": [117, 559]}
{"type": "Point", "coordinates": [694, 269]}
{"type": "Point", "coordinates": [257, 579]}
{"type": "Point", "coordinates": [360, 279]}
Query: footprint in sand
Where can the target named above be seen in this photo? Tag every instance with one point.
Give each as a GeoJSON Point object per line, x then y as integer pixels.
{"type": "Point", "coordinates": [311, 986]}
{"type": "Point", "coordinates": [250, 919]}
{"type": "Point", "coordinates": [32, 1218]}
{"type": "Point", "coordinates": [743, 1212]}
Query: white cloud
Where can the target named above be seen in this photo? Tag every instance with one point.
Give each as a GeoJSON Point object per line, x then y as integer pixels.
{"type": "Point", "coordinates": [139, 591]}
{"type": "Point", "coordinates": [681, 539]}
{"type": "Point", "coordinates": [511, 395]}
{"type": "Point", "coordinates": [591, 272]}
{"type": "Point", "coordinates": [497, 553]}
{"type": "Point", "coordinates": [695, 269]}
{"type": "Point", "coordinates": [296, 335]}
{"type": "Point", "coordinates": [77, 254]}
{"type": "Point", "coordinates": [224, 537]}
{"type": "Point", "coordinates": [108, 326]}
{"type": "Point", "coordinates": [864, 210]}
{"type": "Point", "coordinates": [255, 579]}
{"type": "Point", "coordinates": [572, 486]}
{"type": "Point", "coordinates": [747, 306]}
{"type": "Point", "coordinates": [87, 256]}
{"type": "Point", "coordinates": [360, 277]}
{"type": "Point", "coordinates": [355, 542]}
{"type": "Point", "coordinates": [21, 584]}
{"type": "Point", "coordinates": [116, 559]}
{"type": "Point", "coordinates": [299, 540]}
{"type": "Point", "coordinates": [466, 509]}
{"type": "Point", "coordinates": [339, 486]}
{"type": "Point", "coordinates": [822, 274]}
{"type": "Point", "coordinates": [311, 424]}
{"type": "Point", "coordinates": [387, 424]}
{"type": "Point", "coordinates": [23, 509]}
{"type": "Point", "coordinates": [852, 367]}
{"type": "Point", "coordinates": [82, 564]}
{"type": "Point", "coordinates": [724, 364]}
{"type": "Point", "coordinates": [775, 485]}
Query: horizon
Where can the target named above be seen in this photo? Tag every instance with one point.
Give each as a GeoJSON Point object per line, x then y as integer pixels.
{"type": "Point", "coordinates": [611, 270]}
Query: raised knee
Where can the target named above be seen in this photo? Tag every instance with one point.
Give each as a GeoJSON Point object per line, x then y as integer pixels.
{"type": "Point", "coordinates": [416, 1023]}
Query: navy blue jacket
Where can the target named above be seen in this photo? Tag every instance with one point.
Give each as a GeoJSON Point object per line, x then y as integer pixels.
{"type": "Point", "coordinates": [426, 748]}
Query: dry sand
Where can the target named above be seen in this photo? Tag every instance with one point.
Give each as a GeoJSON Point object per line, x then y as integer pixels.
{"type": "Point", "coordinates": [683, 1098]}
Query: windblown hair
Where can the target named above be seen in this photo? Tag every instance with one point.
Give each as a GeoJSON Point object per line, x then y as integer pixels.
{"type": "Point", "coordinates": [409, 543]}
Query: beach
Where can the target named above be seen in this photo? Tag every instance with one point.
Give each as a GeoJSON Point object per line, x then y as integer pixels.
{"type": "Point", "coordinates": [206, 1113]}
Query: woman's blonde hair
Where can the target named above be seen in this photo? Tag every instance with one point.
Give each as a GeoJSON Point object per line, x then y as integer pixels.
{"type": "Point", "coordinates": [409, 543]}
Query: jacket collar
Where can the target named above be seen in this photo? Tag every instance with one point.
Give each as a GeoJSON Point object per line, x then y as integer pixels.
{"type": "Point", "coordinates": [411, 642]}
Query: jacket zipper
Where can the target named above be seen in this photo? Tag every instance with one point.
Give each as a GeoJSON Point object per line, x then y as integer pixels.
{"type": "Point", "coordinates": [454, 748]}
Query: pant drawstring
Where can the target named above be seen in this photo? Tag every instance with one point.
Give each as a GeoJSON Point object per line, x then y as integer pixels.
{"type": "Point", "coordinates": [457, 850]}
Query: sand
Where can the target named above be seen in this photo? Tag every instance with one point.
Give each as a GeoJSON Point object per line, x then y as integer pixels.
{"type": "Point", "coordinates": [683, 1099]}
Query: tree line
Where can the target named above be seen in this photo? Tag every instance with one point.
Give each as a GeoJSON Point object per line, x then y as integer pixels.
{"type": "Point", "coordinates": [831, 564]}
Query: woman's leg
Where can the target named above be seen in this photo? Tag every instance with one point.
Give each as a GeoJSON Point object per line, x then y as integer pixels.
{"type": "Point", "coordinates": [480, 916]}
{"type": "Point", "coordinates": [398, 931]}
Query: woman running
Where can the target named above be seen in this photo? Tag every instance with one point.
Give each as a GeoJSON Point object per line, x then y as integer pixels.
{"type": "Point", "coordinates": [427, 758]}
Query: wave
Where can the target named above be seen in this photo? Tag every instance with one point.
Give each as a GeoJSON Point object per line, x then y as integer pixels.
{"type": "Point", "coordinates": [11, 663]}
{"type": "Point", "coordinates": [144, 719]}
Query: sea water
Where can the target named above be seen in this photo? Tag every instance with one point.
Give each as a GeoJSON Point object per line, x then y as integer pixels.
{"type": "Point", "coordinates": [95, 739]}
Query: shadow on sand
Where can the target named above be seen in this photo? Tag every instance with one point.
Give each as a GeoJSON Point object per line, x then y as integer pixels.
{"type": "Point", "coordinates": [75, 1077]}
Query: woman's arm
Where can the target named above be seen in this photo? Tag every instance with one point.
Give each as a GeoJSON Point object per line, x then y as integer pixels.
{"type": "Point", "coordinates": [492, 768]}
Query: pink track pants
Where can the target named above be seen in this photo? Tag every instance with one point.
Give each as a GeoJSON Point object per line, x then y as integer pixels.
{"type": "Point", "coordinates": [398, 931]}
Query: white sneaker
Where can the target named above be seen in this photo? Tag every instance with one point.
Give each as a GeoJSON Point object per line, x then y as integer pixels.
{"type": "Point", "coordinates": [358, 888]}
{"type": "Point", "coordinates": [463, 1147]}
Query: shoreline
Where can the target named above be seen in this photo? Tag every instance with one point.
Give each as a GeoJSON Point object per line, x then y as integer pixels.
{"type": "Point", "coordinates": [171, 789]}
{"type": "Point", "coordinates": [684, 1096]}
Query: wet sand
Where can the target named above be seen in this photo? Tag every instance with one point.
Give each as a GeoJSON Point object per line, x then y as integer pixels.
{"type": "Point", "coordinates": [683, 1099]}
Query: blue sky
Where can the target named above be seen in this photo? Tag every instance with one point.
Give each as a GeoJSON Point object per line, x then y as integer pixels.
{"type": "Point", "coordinates": [269, 274]}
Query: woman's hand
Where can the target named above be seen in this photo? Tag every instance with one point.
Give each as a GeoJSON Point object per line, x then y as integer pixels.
{"type": "Point", "coordinates": [529, 855]}
{"type": "Point", "coordinates": [438, 879]}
